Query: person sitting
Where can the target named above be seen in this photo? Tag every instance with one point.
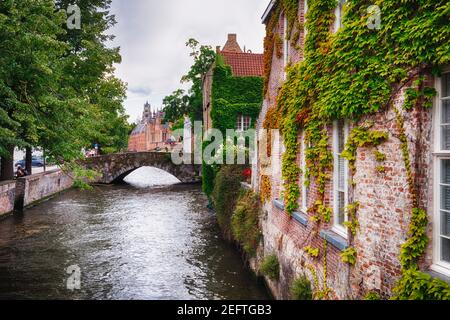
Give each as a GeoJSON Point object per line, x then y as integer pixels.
{"type": "Point", "coordinates": [21, 172]}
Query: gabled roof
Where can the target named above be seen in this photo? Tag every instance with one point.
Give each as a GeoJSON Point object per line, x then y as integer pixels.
{"type": "Point", "coordinates": [244, 64]}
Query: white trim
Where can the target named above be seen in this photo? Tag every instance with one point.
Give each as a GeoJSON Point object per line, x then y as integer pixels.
{"type": "Point", "coordinates": [445, 270]}
{"type": "Point", "coordinates": [338, 228]}
{"type": "Point", "coordinates": [304, 205]}
{"type": "Point", "coordinates": [305, 30]}
{"type": "Point", "coordinates": [439, 265]}
{"type": "Point", "coordinates": [268, 11]}
{"type": "Point", "coordinates": [338, 15]}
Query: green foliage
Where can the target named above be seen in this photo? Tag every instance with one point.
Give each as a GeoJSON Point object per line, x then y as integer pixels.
{"type": "Point", "coordinates": [349, 256]}
{"type": "Point", "coordinates": [81, 177]}
{"type": "Point", "coordinates": [208, 176]}
{"type": "Point", "coordinates": [413, 249]}
{"type": "Point", "coordinates": [224, 114]}
{"type": "Point", "coordinates": [225, 193]}
{"type": "Point", "coordinates": [379, 156]}
{"type": "Point", "coordinates": [312, 252]}
{"type": "Point", "coordinates": [416, 285]}
{"type": "Point", "coordinates": [245, 222]}
{"type": "Point", "coordinates": [352, 224]}
{"type": "Point", "coordinates": [176, 106]}
{"type": "Point", "coordinates": [181, 103]}
{"type": "Point", "coordinates": [352, 73]}
{"type": "Point", "coordinates": [301, 289]}
{"type": "Point", "coordinates": [323, 213]}
{"type": "Point", "coordinates": [57, 88]}
{"type": "Point", "coordinates": [419, 95]}
{"type": "Point", "coordinates": [372, 295]}
{"type": "Point", "coordinates": [270, 267]}
{"type": "Point", "coordinates": [233, 96]}
{"type": "Point", "coordinates": [361, 137]}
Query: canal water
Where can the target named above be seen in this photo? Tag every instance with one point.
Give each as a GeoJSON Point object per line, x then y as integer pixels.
{"type": "Point", "coordinates": [149, 239]}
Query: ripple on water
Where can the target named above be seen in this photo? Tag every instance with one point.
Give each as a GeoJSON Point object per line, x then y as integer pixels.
{"type": "Point", "coordinates": [130, 242]}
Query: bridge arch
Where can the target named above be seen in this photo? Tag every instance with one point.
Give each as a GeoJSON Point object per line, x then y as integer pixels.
{"type": "Point", "coordinates": [113, 168]}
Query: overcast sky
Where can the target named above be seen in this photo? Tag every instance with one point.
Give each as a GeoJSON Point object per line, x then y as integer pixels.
{"type": "Point", "coordinates": [152, 36]}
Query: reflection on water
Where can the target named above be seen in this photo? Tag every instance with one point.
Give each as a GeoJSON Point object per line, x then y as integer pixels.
{"type": "Point", "coordinates": [130, 243]}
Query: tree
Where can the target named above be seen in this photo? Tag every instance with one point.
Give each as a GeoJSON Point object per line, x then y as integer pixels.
{"type": "Point", "coordinates": [175, 106]}
{"type": "Point", "coordinates": [57, 88]}
{"type": "Point", "coordinates": [29, 53]}
{"type": "Point", "coordinates": [180, 103]}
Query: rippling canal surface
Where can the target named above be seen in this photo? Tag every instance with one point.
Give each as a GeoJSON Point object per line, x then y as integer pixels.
{"type": "Point", "coordinates": [130, 242]}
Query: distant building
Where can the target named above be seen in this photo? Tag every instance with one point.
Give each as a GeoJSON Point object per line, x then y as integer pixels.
{"type": "Point", "coordinates": [242, 64]}
{"type": "Point", "coordinates": [151, 133]}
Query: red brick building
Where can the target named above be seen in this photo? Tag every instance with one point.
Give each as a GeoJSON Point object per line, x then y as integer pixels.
{"type": "Point", "coordinates": [243, 64]}
{"type": "Point", "coordinates": [384, 212]}
{"type": "Point", "coordinates": [151, 133]}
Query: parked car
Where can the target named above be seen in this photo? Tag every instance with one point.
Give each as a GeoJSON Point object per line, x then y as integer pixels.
{"type": "Point", "coordinates": [35, 162]}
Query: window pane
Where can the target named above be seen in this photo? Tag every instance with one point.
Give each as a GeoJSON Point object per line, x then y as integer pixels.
{"type": "Point", "coordinates": [341, 201]}
{"type": "Point", "coordinates": [445, 198]}
{"type": "Point", "coordinates": [445, 171]}
{"type": "Point", "coordinates": [445, 137]}
{"type": "Point", "coordinates": [445, 224]}
{"type": "Point", "coordinates": [445, 111]}
{"type": "Point", "coordinates": [445, 249]}
{"type": "Point", "coordinates": [446, 85]}
{"type": "Point", "coordinates": [247, 121]}
{"type": "Point", "coordinates": [341, 137]}
{"type": "Point", "coordinates": [341, 168]}
{"type": "Point", "coordinates": [239, 123]}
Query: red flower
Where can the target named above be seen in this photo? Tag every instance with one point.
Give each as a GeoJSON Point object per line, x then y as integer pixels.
{"type": "Point", "coordinates": [247, 173]}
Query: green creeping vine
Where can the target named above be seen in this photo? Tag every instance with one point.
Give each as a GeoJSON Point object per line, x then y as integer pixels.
{"type": "Point", "coordinates": [231, 97]}
{"type": "Point", "coordinates": [355, 72]}
{"type": "Point", "coordinates": [414, 284]}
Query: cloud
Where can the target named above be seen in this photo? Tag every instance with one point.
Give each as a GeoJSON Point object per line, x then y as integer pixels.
{"type": "Point", "coordinates": [152, 36]}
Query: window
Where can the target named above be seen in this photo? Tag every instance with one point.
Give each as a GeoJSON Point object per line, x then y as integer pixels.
{"type": "Point", "coordinates": [305, 189]}
{"type": "Point", "coordinates": [442, 166]}
{"type": "Point", "coordinates": [340, 179]}
{"type": "Point", "coordinates": [243, 123]}
{"type": "Point", "coordinates": [338, 15]}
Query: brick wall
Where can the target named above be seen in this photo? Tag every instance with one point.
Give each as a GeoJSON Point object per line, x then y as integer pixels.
{"type": "Point", "coordinates": [7, 196]}
{"type": "Point", "coordinates": [384, 213]}
{"type": "Point", "coordinates": [39, 186]}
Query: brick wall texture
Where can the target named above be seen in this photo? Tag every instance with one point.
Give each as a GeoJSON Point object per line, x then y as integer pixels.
{"type": "Point", "coordinates": [384, 213]}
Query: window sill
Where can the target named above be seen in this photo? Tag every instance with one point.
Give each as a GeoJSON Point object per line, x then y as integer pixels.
{"type": "Point", "coordinates": [279, 204]}
{"type": "Point", "coordinates": [301, 218]}
{"type": "Point", "coordinates": [334, 239]}
{"type": "Point", "coordinates": [298, 216]}
{"type": "Point", "coordinates": [246, 186]}
{"type": "Point", "coordinates": [440, 273]}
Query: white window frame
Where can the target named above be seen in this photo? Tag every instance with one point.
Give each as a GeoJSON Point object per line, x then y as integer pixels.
{"type": "Point", "coordinates": [338, 228]}
{"type": "Point", "coordinates": [303, 167]}
{"type": "Point", "coordinates": [338, 15]}
{"type": "Point", "coordinates": [240, 123]}
{"type": "Point", "coordinates": [439, 265]}
{"type": "Point", "coordinates": [305, 11]}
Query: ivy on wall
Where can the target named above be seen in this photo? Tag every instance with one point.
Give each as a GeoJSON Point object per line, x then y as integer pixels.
{"type": "Point", "coordinates": [231, 96]}
{"type": "Point", "coordinates": [352, 73]}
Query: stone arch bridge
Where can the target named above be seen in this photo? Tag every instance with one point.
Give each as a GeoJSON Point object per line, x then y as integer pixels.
{"type": "Point", "coordinates": [113, 168]}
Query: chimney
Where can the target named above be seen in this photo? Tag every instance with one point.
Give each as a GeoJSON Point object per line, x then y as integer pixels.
{"type": "Point", "coordinates": [232, 44]}
{"type": "Point", "coordinates": [217, 49]}
{"type": "Point", "coordinates": [232, 37]}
